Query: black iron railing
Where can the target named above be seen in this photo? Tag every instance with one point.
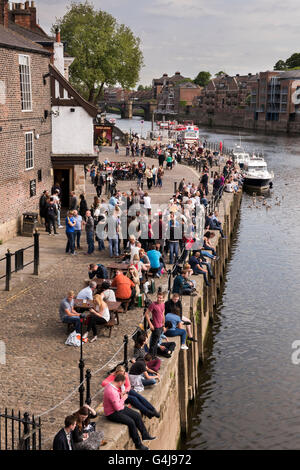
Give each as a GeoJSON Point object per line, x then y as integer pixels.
{"type": "Point", "coordinates": [19, 433]}
{"type": "Point", "coordinates": [18, 257]}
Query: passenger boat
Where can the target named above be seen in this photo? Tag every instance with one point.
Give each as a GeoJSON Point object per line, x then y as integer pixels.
{"type": "Point", "coordinates": [240, 156]}
{"type": "Point", "coordinates": [256, 174]}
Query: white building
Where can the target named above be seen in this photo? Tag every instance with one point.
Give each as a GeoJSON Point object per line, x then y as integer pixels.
{"type": "Point", "coordinates": [72, 129]}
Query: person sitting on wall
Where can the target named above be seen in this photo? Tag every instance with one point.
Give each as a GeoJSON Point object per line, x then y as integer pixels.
{"type": "Point", "coordinates": [116, 411]}
{"type": "Point", "coordinates": [64, 438]}
{"type": "Point", "coordinates": [182, 285]}
{"type": "Point", "coordinates": [174, 327]}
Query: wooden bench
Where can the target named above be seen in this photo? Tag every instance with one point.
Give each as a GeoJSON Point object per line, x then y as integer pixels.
{"type": "Point", "coordinates": [109, 325]}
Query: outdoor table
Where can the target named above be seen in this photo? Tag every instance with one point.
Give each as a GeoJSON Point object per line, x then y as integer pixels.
{"type": "Point", "coordinates": [119, 266]}
{"type": "Point", "coordinates": [82, 305]}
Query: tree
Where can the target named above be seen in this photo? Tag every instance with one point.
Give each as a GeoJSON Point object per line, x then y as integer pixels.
{"type": "Point", "coordinates": [202, 78]}
{"type": "Point", "coordinates": [293, 61]}
{"type": "Point", "coordinates": [106, 53]}
{"type": "Point", "coordinates": [219, 74]}
{"type": "Point", "coordinates": [280, 65]}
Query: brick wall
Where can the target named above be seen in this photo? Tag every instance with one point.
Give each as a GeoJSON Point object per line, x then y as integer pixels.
{"type": "Point", "coordinates": [15, 180]}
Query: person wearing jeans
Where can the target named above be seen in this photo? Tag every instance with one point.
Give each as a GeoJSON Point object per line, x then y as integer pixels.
{"type": "Point", "coordinates": [70, 232]}
{"type": "Point", "coordinates": [113, 245]}
{"type": "Point", "coordinates": [89, 229]}
{"type": "Point", "coordinates": [67, 312]}
{"type": "Point", "coordinates": [78, 227]}
{"type": "Point", "coordinates": [116, 411]}
{"type": "Point", "coordinates": [156, 324]}
{"type": "Point", "coordinates": [174, 327]}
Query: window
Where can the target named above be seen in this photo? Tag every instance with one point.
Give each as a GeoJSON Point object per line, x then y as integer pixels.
{"type": "Point", "coordinates": [25, 82]}
{"type": "Point", "coordinates": [29, 163]}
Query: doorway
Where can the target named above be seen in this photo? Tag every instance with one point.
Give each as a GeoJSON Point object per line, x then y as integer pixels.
{"type": "Point", "coordinates": [62, 176]}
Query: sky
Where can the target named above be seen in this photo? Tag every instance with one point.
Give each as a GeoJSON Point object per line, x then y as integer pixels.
{"type": "Point", "coordinates": [236, 36]}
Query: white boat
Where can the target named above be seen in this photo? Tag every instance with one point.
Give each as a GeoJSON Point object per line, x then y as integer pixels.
{"type": "Point", "coordinates": [256, 174]}
{"type": "Point", "coordinates": [240, 156]}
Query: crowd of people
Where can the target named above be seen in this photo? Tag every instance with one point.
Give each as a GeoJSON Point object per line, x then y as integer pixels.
{"type": "Point", "coordinates": [155, 242]}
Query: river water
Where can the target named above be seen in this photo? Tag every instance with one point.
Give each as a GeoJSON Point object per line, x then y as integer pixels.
{"type": "Point", "coordinates": [249, 395]}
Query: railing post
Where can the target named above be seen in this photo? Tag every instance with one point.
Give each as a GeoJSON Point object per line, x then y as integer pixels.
{"type": "Point", "coordinates": [26, 431]}
{"type": "Point", "coordinates": [36, 261]}
{"type": "Point", "coordinates": [81, 366]}
{"type": "Point", "coordinates": [88, 377]}
{"type": "Point", "coordinates": [175, 187]}
{"type": "Point", "coordinates": [126, 352]}
{"type": "Point", "coordinates": [169, 283]}
{"type": "Point", "coordinates": [8, 270]}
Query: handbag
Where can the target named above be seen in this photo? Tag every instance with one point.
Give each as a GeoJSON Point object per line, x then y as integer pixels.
{"type": "Point", "coordinates": [73, 339]}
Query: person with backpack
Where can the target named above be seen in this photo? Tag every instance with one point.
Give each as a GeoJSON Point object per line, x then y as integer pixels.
{"type": "Point", "coordinates": [51, 213]}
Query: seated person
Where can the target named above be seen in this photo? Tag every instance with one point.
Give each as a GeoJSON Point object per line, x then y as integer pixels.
{"type": "Point", "coordinates": [155, 260]}
{"type": "Point", "coordinates": [97, 270]}
{"type": "Point", "coordinates": [116, 411]}
{"type": "Point", "coordinates": [106, 292]}
{"type": "Point", "coordinates": [207, 245]}
{"type": "Point", "coordinates": [174, 305]}
{"type": "Point", "coordinates": [84, 435]}
{"type": "Point", "coordinates": [98, 316]}
{"type": "Point", "coordinates": [196, 264]}
{"type": "Point", "coordinates": [215, 224]}
{"type": "Point", "coordinates": [67, 312]}
{"type": "Point", "coordinates": [133, 398]}
{"type": "Point", "coordinates": [141, 349]}
{"type": "Point", "coordinates": [174, 327]}
{"type": "Point", "coordinates": [125, 287]}
{"type": "Point", "coordinates": [165, 348]}
{"type": "Point", "coordinates": [133, 275]}
{"type": "Point", "coordinates": [87, 292]}
{"type": "Point", "coordinates": [144, 259]}
{"type": "Point", "coordinates": [140, 377]}
{"type": "Point", "coordinates": [64, 438]}
{"type": "Point", "coordinates": [182, 285]}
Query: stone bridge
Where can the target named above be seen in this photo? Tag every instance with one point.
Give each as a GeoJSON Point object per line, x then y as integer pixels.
{"type": "Point", "coordinates": [126, 107]}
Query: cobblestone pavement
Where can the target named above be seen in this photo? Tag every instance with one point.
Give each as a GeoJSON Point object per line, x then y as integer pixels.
{"type": "Point", "coordinates": [40, 369]}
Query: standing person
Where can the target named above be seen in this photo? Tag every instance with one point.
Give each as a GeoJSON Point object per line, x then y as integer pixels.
{"type": "Point", "coordinates": [116, 148]}
{"type": "Point", "coordinates": [204, 181]}
{"type": "Point", "coordinates": [77, 229]}
{"type": "Point", "coordinates": [89, 230]}
{"type": "Point", "coordinates": [51, 216]}
{"type": "Point", "coordinates": [57, 203]}
{"type": "Point", "coordinates": [116, 411]}
{"type": "Point", "coordinates": [43, 206]}
{"type": "Point", "coordinates": [160, 173]}
{"type": "Point", "coordinates": [98, 183]}
{"type": "Point", "coordinates": [156, 324]}
{"type": "Point", "coordinates": [64, 439]}
{"type": "Point", "coordinates": [73, 201]}
{"type": "Point", "coordinates": [148, 174]}
{"type": "Point", "coordinates": [83, 207]}
{"type": "Point", "coordinates": [147, 203]}
{"type": "Point", "coordinates": [70, 232]}
{"type": "Point", "coordinates": [161, 159]}
{"type": "Point", "coordinates": [154, 172]}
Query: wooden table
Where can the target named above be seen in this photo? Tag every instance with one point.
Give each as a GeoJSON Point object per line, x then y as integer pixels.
{"type": "Point", "coordinates": [100, 281]}
{"type": "Point", "coordinates": [119, 266]}
{"type": "Point", "coordinates": [113, 307]}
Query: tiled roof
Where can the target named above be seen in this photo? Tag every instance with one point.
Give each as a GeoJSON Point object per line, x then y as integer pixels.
{"type": "Point", "coordinates": [29, 34]}
{"type": "Point", "coordinates": [290, 74]}
{"type": "Point", "coordinates": [12, 40]}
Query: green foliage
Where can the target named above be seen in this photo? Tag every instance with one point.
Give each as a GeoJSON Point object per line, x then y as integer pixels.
{"type": "Point", "coordinates": [144, 88]}
{"type": "Point", "coordinates": [182, 104]}
{"type": "Point", "coordinates": [280, 65]}
{"type": "Point", "coordinates": [106, 53]}
{"type": "Point", "coordinates": [219, 74]}
{"type": "Point", "coordinates": [183, 80]}
{"type": "Point", "coordinates": [202, 78]}
{"type": "Point", "coordinates": [292, 63]}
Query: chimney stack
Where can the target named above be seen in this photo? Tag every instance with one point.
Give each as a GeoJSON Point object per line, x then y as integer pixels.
{"type": "Point", "coordinates": [57, 33]}
{"type": "Point", "coordinates": [4, 13]}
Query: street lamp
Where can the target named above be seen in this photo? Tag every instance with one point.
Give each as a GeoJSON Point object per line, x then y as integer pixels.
{"type": "Point", "coordinates": [81, 364]}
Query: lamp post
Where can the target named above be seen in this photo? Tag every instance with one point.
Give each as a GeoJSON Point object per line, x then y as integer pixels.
{"type": "Point", "coordinates": [81, 364]}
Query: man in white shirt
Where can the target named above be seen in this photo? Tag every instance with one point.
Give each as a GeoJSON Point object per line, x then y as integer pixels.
{"type": "Point", "coordinates": [87, 292]}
